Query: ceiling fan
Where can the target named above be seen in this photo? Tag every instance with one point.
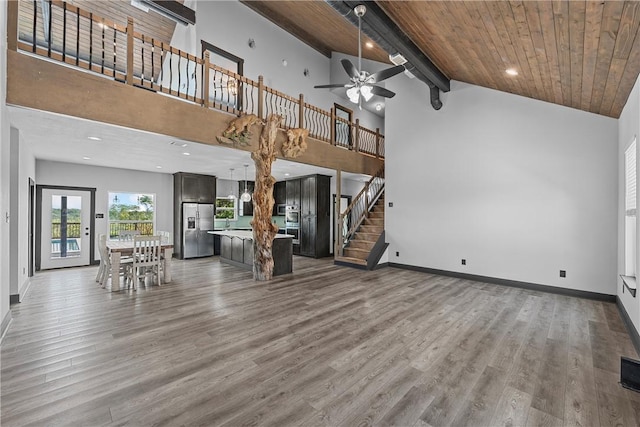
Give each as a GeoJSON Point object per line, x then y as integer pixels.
{"type": "Point", "coordinates": [362, 84]}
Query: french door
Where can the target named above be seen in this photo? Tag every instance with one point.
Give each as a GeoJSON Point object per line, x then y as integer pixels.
{"type": "Point", "coordinates": [65, 232]}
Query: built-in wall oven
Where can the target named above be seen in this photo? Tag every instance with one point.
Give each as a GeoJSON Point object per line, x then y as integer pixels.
{"type": "Point", "coordinates": [292, 223]}
{"type": "Point", "coordinates": [295, 232]}
{"type": "Point", "coordinates": [292, 215]}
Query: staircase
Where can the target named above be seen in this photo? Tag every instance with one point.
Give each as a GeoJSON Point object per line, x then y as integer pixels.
{"type": "Point", "coordinates": [364, 243]}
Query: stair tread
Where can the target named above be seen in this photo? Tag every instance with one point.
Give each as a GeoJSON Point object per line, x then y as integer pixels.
{"type": "Point", "coordinates": [351, 260]}
{"type": "Point", "coordinates": [357, 249]}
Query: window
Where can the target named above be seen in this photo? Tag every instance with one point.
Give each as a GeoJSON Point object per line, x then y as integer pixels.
{"type": "Point", "coordinates": [630, 201]}
{"type": "Point", "coordinates": [131, 212]}
{"type": "Point", "coordinates": [226, 208]}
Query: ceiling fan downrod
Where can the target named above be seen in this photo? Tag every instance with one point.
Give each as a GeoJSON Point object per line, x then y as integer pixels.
{"type": "Point", "coordinates": [360, 10]}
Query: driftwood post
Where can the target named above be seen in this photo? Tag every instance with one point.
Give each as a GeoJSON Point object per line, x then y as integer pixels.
{"type": "Point", "coordinates": [263, 230]}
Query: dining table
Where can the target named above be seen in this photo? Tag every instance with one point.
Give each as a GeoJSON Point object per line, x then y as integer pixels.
{"type": "Point", "coordinates": [117, 249]}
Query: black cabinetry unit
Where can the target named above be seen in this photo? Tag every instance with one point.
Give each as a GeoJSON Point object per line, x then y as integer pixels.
{"type": "Point", "coordinates": [189, 188]}
{"type": "Point", "coordinates": [312, 195]}
{"type": "Point", "coordinates": [246, 207]}
{"type": "Point", "coordinates": [279, 196]}
{"type": "Point", "coordinates": [293, 192]}
{"type": "Point", "coordinates": [194, 188]}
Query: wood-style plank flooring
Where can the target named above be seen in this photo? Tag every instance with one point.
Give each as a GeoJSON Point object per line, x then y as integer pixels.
{"type": "Point", "coordinates": [326, 345]}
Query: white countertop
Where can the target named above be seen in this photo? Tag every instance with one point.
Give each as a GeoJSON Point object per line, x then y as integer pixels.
{"type": "Point", "coordinates": [243, 234]}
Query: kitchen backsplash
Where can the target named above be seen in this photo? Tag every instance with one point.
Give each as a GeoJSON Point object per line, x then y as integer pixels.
{"type": "Point", "coordinates": [245, 222]}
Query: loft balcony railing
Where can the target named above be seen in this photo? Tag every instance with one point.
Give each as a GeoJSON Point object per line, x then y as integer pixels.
{"type": "Point", "coordinates": [68, 34]}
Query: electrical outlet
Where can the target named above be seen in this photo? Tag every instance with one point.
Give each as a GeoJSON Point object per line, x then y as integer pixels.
{"type": "Point", "coordinates": [390, 204]}
{"type": "Point", "coordinates": [563, 273]}
{"type": "Point", "coordinates": [464, 262]}
{"type": "Point", "coordinates": [397, 253]}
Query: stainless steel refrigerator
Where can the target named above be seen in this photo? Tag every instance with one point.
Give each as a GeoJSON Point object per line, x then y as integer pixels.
{"type": "Point", "coordinates": [197, 220]}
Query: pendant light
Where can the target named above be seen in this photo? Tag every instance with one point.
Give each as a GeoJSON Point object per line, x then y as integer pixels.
{"type": "Point", "coordinates": [232, 195]}
{"type": "Point", "coordinates": [246, 196]}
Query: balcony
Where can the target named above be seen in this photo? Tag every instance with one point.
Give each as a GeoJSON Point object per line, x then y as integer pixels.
{"type": "Point", "coordinates": [115, 59]}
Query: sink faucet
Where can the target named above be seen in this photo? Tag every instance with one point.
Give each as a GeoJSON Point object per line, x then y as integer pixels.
{"type": "Point", "coordinates": [227, 224]}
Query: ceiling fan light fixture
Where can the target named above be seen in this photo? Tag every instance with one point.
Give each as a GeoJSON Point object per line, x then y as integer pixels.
{"type": "Point", "coordinates": [366, 92]}
{"type": "Point", "coordinates": [353, 93]}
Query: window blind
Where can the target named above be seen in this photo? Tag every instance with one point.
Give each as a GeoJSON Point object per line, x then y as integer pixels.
{"type": "Point", "coordinates": [630, 179]}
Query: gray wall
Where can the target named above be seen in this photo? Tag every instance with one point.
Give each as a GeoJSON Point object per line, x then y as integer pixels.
{"type": "Point", "coordinates": [106, 180]}
{"type": "Point", "coordinates": [628, 128]}
{"type": "Point", "coordinates": [519, 188]}
{"type": "Point", "coordinates": [4, 174]}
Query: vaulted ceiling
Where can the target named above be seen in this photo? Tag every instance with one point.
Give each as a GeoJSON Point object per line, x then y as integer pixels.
{"type": "Point", "coordinates": [580, 54]}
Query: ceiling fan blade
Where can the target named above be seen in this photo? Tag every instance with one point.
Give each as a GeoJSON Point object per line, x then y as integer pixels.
{"type": "Point", "coordinates": [328, 86]}
{"type": "Point", "coordinates": [380, 91]}
{"type": "Point", "coordinates": [385, 74]}
{"type": "Point", "coordinates": [350, 69]}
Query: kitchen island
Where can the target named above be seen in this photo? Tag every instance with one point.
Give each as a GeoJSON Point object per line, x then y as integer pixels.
{"type": "Point", "coordinates": [236, 248]}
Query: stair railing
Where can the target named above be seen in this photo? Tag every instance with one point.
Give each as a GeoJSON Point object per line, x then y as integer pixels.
{"type": "Point", "coordinates": [357, 211]}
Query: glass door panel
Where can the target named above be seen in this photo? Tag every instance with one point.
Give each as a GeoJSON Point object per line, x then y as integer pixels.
{"type": "Point", "coordinates": [65, 228]}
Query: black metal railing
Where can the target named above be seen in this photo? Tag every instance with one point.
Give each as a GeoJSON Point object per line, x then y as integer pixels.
{"type": "Point", "coordinates": [144, 227]}
{"type": "Point", "coordinates": [73, 230]}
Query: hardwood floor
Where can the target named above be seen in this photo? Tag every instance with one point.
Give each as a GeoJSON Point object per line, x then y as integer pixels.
{"type": "Point", "coordinates": [326, 345]}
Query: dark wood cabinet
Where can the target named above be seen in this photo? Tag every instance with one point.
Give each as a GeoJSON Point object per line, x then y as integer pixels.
{"type": "Point", "coordinates": [247, 208]}
{"type": "Point", "coordinates": [279, 195]}
{"type": "Point", "coordinates": [195, 188]}
{"type": "Point", "coordinates": [293, 192]}
{"type": "Point", "coordinates": [312, 195]}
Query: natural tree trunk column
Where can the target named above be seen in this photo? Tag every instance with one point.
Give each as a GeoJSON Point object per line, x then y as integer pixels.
{"type": "Point", "coordinates": [263, 230]}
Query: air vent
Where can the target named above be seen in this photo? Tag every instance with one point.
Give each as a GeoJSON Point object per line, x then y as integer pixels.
{"type": "Point", "coordinates": [397, 59]}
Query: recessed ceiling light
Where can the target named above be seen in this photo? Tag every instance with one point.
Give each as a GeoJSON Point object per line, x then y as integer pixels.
{"type": "Point", "coordinates": [94, 138]}
{"type": "Point", "coordinates": [86, 158]}
{"type": "Point", "coordinates": [186, 154]}
{"type": "Point", "coordinates": [378, 107]}
{"type": "Point", "coordinates": [511, 72]}
{"type": "Point", "coordinates": [287, 174]}
{"type": "Point", "coordinates": [369, 45]}
{"type": "Point", "coordinates": [158, 167]}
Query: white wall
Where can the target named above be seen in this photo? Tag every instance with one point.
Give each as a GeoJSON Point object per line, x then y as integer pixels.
{"type": "Point", "coordinates": [22, 169]}
{"type": "Point", "coordinates": [106, 180]}
{"type": "Point", "coordinates": [519, 188]}
{"type": "Point", "coordinates": [216, 20]}
{"type": "Point", "coordinates": [348, 187]}
{"type": "Point", "coordinates": [4, 172]}
{"type": "Point", "coordinates": [628, 128]}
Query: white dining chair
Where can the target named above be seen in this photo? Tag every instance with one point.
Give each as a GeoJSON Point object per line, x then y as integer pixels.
{"type": "Point", "coordinates": [104, 271]}
{"type": "Point", "coordinates": [127, 235]}
{"type": "Point", "coordinates": [146, 260]}
{"type": "Point", "coordinates": [165, 236]}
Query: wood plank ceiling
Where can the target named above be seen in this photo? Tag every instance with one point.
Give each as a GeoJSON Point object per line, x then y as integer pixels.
{"type": "Point", "coordinates": [580, 54]}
